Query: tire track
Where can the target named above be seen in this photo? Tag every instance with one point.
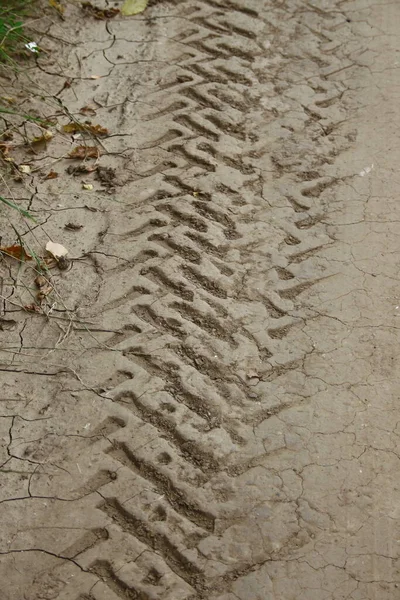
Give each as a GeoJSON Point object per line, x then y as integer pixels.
{"type": "Point", "coordinates": [208, 297]}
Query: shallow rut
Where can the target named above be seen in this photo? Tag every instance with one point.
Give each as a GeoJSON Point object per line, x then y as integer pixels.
{"type": "Point", "coordinates": [181, 448]}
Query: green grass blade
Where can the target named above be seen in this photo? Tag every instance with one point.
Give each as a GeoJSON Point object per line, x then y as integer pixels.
{"type": "Point", "coordinates": [8, 111]}
{"type": "Point", "coordinates": [23, 212]}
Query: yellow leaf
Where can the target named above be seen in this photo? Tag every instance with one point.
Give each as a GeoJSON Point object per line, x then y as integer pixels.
{"type": "Point", "coordinates": [133, 7]}
{"type": "Point", "coordinates": [57, 5]}
{"type": "Point", "coordinates": [9, 99]}
{"type": "Point", "coordinates": [95, 129]}
{"type": "Point", "coordinates": [87, 186]}
{"type": "Point", "coordinates": [45, 137]}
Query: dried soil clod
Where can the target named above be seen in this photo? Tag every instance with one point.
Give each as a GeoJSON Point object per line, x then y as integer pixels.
{"type": "Point", "coordinates": [73, 226]}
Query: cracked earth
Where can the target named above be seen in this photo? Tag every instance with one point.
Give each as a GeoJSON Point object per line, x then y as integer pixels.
{"type": "Point", "coordinates": [207, 408]}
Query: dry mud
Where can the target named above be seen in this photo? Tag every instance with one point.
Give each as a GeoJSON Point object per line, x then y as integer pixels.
{"type": "Point", "coordinates": [218, 418]}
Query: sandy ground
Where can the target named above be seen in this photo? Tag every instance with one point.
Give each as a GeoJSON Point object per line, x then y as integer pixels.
{"type": "Point", "coordinates": [209, 408]}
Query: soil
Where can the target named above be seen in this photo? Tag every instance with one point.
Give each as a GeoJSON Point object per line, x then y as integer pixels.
{"type": "Point", "coordinates": [205, 407]}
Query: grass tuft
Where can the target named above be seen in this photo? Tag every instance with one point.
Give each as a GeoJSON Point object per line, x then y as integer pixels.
{"type": "Point", "coordinates": [12, 37]}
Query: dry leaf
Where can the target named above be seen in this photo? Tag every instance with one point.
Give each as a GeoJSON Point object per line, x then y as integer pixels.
{"type": "Point", "coordinates": [44, 287]}
{"type": "Point", "coordinates": [8, 99]}
{"type": "Point", "coordinates": [96, 129]}
{"type": "Point", "coordinates": [95, 77]}
{"type": "Point", "coordinates": [71, 128]}
{"type": "Point", "coordinates": [5, 148]}
{"type": "Point", "coordinates": [83, 152]}
{"type": "Point", "coordinates": [24, 169]}
{"type": "Point", "coordinates": [56, 250]}
{"type": "Point", "coordinates": [82, 168]}
{"type": "Point", "coordinates": [133, 7]}
{"type": "Point", "coordinates": [16, 251]}
{"type": "Point", "coordinates": [58, 6]}
{"type": "Point", "coordinates": [45, 137]}
{"type": "Point", "coordinates": [87, 186]}
{"type": "Point", "coordinates": [88, 127]}
{"type": "Point", "coordinates": [88, 110]}
{"type": "Point", "coordinates": [50, 262]}
{"type": "Point", "coordinates": [99, 13]}
{"type": "Point", "coordinates": [40, 281]}
{"type": "Point", "coordinates": [51, 175]}
{"type": "Point", "coordinates": [33, 308]}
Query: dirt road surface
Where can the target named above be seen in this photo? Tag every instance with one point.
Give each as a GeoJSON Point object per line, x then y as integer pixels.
{"type": "Point", "coordinates": [214, 414]}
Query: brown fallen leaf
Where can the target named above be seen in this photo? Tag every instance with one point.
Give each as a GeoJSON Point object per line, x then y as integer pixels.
{"type": "Point", "coordinates": [32, 308]}
{"type": "Point", "coordinates": [96, 129]}
{"type": "Point", "coordinates": [82, 152]}
{"type": "Point", "coordinates": [99, 13]}
{"type": "Point", "coordinates": [87, 126]}
{"type": "Point", "coordinates": [88, 110]}
{"type": "Point", "coordinates": [51, 175]}
{"type": "Point", "coordinates": [5, 148]}
{"type": "Point", "coordinates": [50, 262]}
{"type": "Point", "coordinates": [16, 251]}
{"type": "Point", "coordinates": [40, 281]}
{"type": "Point", "coordinates": [44, 287]}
